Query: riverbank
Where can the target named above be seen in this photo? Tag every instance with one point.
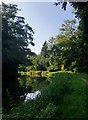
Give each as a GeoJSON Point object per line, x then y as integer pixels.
{"type": "Point", "coordinates": [64, 98]}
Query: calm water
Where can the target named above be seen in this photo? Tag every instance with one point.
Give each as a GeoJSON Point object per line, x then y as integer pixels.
{"type": "Point", "coordinates": [31, 84]}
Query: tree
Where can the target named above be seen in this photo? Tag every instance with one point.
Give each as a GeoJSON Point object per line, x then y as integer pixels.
{"type": "Point", "coordinates": [39, 62]}
{"type": "Point", "coordinates": [81, 12]}
{"type": "Point", "coordinates": [64, 49]}
{"type": "Point", "coordinates": [53, 54]}
{"type": "Point", "coordinates": [44, 51]}
{"type": "Point", "coordinates": [16, 36]}
{"type": "Point", "coordinates": [68, 28]}
{"type": "Point", "coordinates": [67, 43]}
{"type": "Point", "coordinates": [49, 54]}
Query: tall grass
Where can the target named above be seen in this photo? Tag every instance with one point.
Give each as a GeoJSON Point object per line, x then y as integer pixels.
{"type": "Point", "coordinates": [64, 98]}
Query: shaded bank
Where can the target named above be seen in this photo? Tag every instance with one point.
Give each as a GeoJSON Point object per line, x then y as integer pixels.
{"type": "Point", "coordinates": [65, 97]}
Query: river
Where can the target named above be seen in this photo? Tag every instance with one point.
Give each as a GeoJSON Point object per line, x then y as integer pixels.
{"type": "Point", "coordinates": [32, 83]}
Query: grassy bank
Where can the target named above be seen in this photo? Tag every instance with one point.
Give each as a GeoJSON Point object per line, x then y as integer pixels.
{"type": "Point", "coordinates": [64, 98]}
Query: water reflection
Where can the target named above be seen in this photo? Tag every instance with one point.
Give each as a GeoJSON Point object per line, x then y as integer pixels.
{"type": "Point", "coordinates": [31, 84]}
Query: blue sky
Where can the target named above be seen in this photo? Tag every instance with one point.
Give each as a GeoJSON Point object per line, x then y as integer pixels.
{"type": "Point", "coordinates": [45, 18]}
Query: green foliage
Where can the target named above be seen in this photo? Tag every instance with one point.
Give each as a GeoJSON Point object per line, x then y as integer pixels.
{"type": "Point", "coordinates": [66, 48]}
{"type": "Point", "coordinates": [16, 36]}
{"type": "Point", "coordinates": [70, 47]}
{"type": "Point", "coordinates": [59, 88]}
{"type": "Point", "coordinates": [44, 51]}
{"type": "Point", "coordinates": [64, 98]}
{"type": "Point", "coordinates": [81, 12]}
{"type": "Point", "coordinates": [39, 62]}
{"type": "Point", "coordinates": [68, 43]}
{"type": "Point", "coordinates": [49, 112]}
{"type": "Point", "coordinates": [63, 49]}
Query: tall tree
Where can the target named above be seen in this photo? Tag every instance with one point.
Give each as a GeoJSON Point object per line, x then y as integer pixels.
{"type": "Point", "coordinates": [81, 12]}
{"type": "Point", "coordinates": [16, 36]}
{"type": "Point", "coordinates": [53, 54]}
{"type": "Point", "coordinates": [44, 51]}
{"type": "Point", "coordinates": [67, 42]}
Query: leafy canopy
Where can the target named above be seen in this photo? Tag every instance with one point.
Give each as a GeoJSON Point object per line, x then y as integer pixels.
{"type": "Point", "coordinates": [16, 35]}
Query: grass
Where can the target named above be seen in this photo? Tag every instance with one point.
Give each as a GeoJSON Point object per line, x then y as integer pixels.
{"type": "Point", "coordinates": [74, 105]}
{"type": "Point", "coordinates": [64, 98]}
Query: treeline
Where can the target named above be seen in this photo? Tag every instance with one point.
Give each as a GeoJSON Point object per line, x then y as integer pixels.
{"type": "Point", "coordinates": [69, 48]}
{"type": "Point", "coordinates": [62, 52]}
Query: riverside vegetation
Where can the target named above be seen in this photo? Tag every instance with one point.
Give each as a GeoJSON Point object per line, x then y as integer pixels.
{"type": "Point", "coordinates": [60, 71]}
{"type": "Point", "coordinates": [65, 97]}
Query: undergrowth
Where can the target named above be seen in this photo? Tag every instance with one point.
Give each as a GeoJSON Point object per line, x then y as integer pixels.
{"type": "Point", "coordinates": [65, 97]}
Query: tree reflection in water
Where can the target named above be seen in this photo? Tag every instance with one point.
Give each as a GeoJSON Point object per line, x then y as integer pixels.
{"type": "Point", "coordinates": [30, 84]}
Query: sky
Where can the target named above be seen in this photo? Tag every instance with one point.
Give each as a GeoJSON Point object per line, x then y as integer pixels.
{"type": "Point", "coordinates": [45, 18]}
